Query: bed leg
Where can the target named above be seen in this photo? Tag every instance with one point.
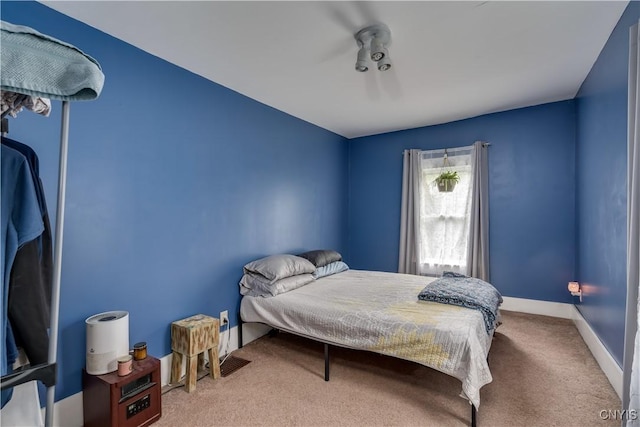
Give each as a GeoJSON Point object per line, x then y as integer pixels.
{"type": "Point", "coordinates": [326, 362]}
{"type": "Point", "coordinates": [473, 415]}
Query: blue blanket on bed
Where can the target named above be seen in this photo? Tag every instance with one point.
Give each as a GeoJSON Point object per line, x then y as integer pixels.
{"type": "Point", "coordinates": [465, 292]}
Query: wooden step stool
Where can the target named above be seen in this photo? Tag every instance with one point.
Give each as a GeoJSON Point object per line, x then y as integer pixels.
{"type": "Point", "coordinates": [191, 337]}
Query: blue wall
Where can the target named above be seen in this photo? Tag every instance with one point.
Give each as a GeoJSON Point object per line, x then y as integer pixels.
{"type": "Point", "coordinates": [531, 195]}
{"type": "Point", "coordinates": [602, 191]}
{"type": "Point", "coordinates": [174, 183]}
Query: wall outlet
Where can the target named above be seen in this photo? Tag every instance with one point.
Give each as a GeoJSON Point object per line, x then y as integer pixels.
{"type": "Point", "coordinates": [224, 318]}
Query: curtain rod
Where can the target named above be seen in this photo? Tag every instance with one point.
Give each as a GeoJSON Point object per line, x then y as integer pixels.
{"type": "Point", "coordinates": [485, 144]}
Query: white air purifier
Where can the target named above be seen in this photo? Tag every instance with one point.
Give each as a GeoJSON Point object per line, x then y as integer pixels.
{"type": "Point", "coordinates": [107, 340]}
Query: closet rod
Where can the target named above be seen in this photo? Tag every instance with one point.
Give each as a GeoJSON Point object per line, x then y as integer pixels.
{"type": "Point", "coordinates": [57, 256]}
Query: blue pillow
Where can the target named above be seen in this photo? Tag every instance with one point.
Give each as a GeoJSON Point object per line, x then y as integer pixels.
{"type": "Point", "coordinates": [329, 269]}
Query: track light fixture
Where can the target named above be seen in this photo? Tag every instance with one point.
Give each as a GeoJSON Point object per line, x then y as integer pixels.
{"type": "Point", "coordinates": [384, 64]}
{"type": "Point", "coordinates": [361, 63]}
{"type": "Point", "coordinates": [373, 41]}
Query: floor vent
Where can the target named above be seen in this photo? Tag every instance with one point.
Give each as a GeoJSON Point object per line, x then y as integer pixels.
{"type": "Point", "coordinates": [232, 364]}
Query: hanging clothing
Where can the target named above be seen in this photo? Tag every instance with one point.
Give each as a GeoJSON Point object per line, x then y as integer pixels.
{"type": "Point", "coordinates": [28, 304]}
{"type": "Point", "coordinates": [45, 243]}
{"type": "Point", "coordinates": [21, 222]}
{"type": "Point", "coordinates": [34, 168]}
{"type": "Point", "coordinates": [32, 276]}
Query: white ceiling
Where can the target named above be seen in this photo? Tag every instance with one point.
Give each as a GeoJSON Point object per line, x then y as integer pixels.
{"type": "Point", "coordinates": [451, 60]}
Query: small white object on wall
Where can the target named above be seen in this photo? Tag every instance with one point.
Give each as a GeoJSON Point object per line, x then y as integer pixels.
{"type": "Point", "coordinates": [574, 288]}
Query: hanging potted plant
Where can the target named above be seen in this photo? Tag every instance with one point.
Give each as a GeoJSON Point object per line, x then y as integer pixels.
{"type": "Point", "coordinates": [447, 181]}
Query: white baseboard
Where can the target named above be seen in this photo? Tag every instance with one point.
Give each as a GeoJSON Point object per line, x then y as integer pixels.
{"type": "Point", "coordinates": [68, 412]}
{"type": "Point", "coordinates": [607, 363]}
{"type": "Point", "coordinates": [544, 308]}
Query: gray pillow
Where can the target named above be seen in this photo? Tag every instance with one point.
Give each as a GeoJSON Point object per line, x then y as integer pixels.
{"type": "Point", "coordinates": [321, 257]}
{"type": "Point", "coordinates": [257, 285]}
{"type": "Point", "coordinates": [276, 267]}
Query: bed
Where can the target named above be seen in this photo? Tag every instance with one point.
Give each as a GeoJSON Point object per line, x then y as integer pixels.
{"type": "Point", "coordinates": [380, 312]}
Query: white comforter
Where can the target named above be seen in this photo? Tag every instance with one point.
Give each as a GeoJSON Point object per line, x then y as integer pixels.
{"type": "Point", "coordinates": [380, 312]}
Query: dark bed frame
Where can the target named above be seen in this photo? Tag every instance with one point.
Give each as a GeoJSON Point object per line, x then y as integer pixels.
{"type": "Point", "coordinates": [275, 331]}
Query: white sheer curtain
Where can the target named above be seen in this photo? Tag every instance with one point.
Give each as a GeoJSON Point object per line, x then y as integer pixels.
{"type": "Point", "coordinates": [443, 235]}
{"type": "Point", "coordinates": [631, 365]}
{"type": "Point", "coordinates": [446, 231]}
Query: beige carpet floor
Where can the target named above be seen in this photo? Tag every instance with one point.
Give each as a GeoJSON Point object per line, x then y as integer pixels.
{"type": "Point", "coordinates": [543, 375]}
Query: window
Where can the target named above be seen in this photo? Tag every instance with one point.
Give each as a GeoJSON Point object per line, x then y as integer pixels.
{"type": "Point", "coordinates": [443, 237]}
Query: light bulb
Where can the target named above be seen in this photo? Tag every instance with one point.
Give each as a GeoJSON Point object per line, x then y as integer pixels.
{"type": "Point", "coordinates": [378, 51]}
{"type": "Point", "coordinates": [361, 62]}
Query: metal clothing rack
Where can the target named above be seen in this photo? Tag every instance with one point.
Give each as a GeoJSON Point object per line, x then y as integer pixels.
{"type": "Point", "coordinates": [13, 56]}
{"type": "Point", "coordinates": [46, 372]}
